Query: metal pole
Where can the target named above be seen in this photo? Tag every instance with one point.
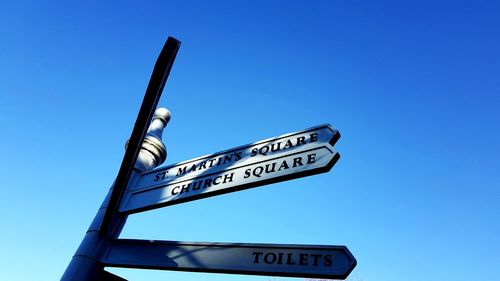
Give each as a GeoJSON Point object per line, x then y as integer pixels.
{"type": "Point", "coordinates": [84, 265]}
{"type": "Point", "coordinates": [144, 152]}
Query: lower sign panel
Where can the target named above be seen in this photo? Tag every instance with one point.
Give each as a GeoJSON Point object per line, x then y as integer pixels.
{"type": "Point", "coordinates": [308, 261]}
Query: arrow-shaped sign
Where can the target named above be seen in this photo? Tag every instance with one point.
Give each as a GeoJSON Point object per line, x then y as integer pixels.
{"type": "Point", "coordinates": [286, 157]}
{"type": "Point", "coordinates": [309, 261]}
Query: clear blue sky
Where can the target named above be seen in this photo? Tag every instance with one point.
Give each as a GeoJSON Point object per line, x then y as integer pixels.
{"type": "Point", "coordinates": [412, 87]}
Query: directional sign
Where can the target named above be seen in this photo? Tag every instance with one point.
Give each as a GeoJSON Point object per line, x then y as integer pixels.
{"type": "Point", "coordinates": [277, 159]}
{"type": "Point", "coordinates": [311, 261]}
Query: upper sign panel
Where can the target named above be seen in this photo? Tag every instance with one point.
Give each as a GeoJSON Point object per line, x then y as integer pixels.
{"type": "Point", "coordinates": [272, 160]}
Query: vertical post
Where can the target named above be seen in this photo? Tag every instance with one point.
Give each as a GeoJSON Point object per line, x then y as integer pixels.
{"type": "Point", "coordinates": [153, 92]}
{"type": "Point", "coordinates": [108, 222]}
{"type": "Point", "coordinates": [84, 265]}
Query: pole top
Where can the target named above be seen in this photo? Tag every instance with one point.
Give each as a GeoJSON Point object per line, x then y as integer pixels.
{"type": "Point", "coordinates": [163, 114]}
{"type": "Point", "coordinates": [153, 151]}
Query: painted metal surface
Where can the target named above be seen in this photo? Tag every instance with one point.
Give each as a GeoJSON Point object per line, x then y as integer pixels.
{"type": "Point", "coordinates": [141, 154]}
{"type": "Point", "coordinates": [272, 160]}
{"type": "Point", "coordinates": [154, 90]}
{"type": "Point", "coordinates": [312, 261]}
{"type": "Point", "coordinates": [286, 157]}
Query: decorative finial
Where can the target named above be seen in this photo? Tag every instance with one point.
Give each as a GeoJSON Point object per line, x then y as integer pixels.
{"type": "Point", "coordinates": [153, 152]}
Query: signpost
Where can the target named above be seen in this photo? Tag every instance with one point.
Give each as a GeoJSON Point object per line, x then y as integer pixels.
{"type": "Point", "coordinates": [108, 222]}
{"type": "Point", "coordinates": [286, 157]}
{"type": "Point", "coordinates": [312, 261]}
{"type": "Point", "coordinates": [138, 188]}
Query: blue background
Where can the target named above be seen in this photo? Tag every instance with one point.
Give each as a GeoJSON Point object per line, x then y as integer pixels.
{"type": "Point", "coordinates": [413, 88]}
